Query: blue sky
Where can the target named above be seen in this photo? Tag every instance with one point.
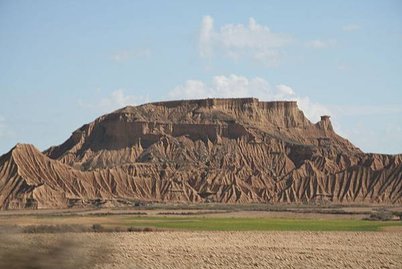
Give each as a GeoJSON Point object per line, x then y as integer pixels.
{"type": "Point", "coordinates": [64, 63]}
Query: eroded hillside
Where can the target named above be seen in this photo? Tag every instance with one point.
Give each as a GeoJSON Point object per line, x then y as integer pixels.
{"type": "Point", "coordinates": [221, 150]}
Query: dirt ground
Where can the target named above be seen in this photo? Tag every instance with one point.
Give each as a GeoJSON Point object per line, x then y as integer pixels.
{"type": "Point", "coordinates": [194, 249]}
{"type": "Point", "coordinates": [228, 249]}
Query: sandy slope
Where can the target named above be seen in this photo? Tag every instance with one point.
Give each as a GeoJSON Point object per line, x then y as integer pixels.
{"type": "Point", "coordinates": [221, 150]}
{"type": "Point", "coordinates": [234, 249]}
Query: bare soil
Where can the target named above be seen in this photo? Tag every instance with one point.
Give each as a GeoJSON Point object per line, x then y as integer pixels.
{"type": "Point", "coordinates": [229, 249]}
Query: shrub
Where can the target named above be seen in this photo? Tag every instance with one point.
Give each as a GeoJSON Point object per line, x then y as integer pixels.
{"type": "Point", "coordinates": [140, 229]}
{"type": "Point", "coordinates": [42, 228]}
{"type": "Point", "coordinates": [97, 228]}
{"type": "Point", "coordinates": [382, 215]}
{"type": "Point", "coordinates": [397, 214]}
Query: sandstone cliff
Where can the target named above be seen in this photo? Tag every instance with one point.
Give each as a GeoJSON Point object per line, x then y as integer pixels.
{"type": "Point", "coordinates": [222, 150]}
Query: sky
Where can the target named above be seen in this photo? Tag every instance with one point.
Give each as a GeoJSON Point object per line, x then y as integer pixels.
{"type": "Point", "coordinates": [65, 63]}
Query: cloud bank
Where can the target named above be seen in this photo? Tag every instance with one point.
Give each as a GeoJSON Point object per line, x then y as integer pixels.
{"type": "Point", "coordinates": [321, 44]}
{"type": "Point", "coordinates": [233, 86]}
{"type": "Point", "coordinates": [117, 99]}
{"type": "Point", "coordinates": [238, 41]}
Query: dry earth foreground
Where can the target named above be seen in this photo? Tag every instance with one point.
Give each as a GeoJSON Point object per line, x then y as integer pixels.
{"type": "Point", "coordinates": [219, 150]}
{"type": "Point", "coordinates": [204, 250]}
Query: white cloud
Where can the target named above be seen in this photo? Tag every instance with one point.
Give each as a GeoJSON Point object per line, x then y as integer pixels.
{"type": "Point", "coordinates": [268, 57]}
{"type": "Point", "coordinates": [126, 55]}
{"type": "Point", "coordinates": [351, 27]}
{"type": "Point", "coordinates": [321, 44]}
{"type": "Point", "coordinates": [206, 36]}
{"type": "Point", "coordinates": [313, 110]}
{"type": "Point", "coordinates": [117, 99]}
{"type": "Point", "coordinates": [233, 86]}
{"type": "Point", "coordinates": [190, 89]}
{"type": "Point", "coordinates": [285, 90]}
{"type": "Point", "coordinates": [238, 41]}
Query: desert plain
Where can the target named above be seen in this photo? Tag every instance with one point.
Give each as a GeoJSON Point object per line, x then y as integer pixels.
{"type": "Point", "coordinates": [201, 237]}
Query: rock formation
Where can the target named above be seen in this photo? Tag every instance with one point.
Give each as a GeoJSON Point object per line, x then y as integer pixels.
{"type": "Point", "coordinates": [220, 150]}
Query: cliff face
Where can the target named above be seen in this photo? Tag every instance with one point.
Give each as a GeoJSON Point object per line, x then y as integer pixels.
{"type": "Point", "coordinates": [222, 150]}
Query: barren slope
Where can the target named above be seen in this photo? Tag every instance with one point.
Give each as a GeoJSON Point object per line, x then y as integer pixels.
{"type": "Point", "coordinates": [223, 150]}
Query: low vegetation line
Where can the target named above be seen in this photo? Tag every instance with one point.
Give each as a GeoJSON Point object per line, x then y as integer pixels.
{"type": "Point", "coordinates": [258, 224]}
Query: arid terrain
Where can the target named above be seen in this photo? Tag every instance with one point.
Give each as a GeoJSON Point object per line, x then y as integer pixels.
{"type": "Point", "coordinates": [222, 249]}
{"type": "Point", "coordinates": [209, 236]}
{"type": "Point", "coordinates": [200, 134]}
{"type": "Point", "coordinates": [211, 183]}
{"type": "Point", "coordinates": [210, 150]}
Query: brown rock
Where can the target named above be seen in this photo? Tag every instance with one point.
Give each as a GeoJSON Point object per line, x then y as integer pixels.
{"type": "Point", "coordinates": [222, 150]}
